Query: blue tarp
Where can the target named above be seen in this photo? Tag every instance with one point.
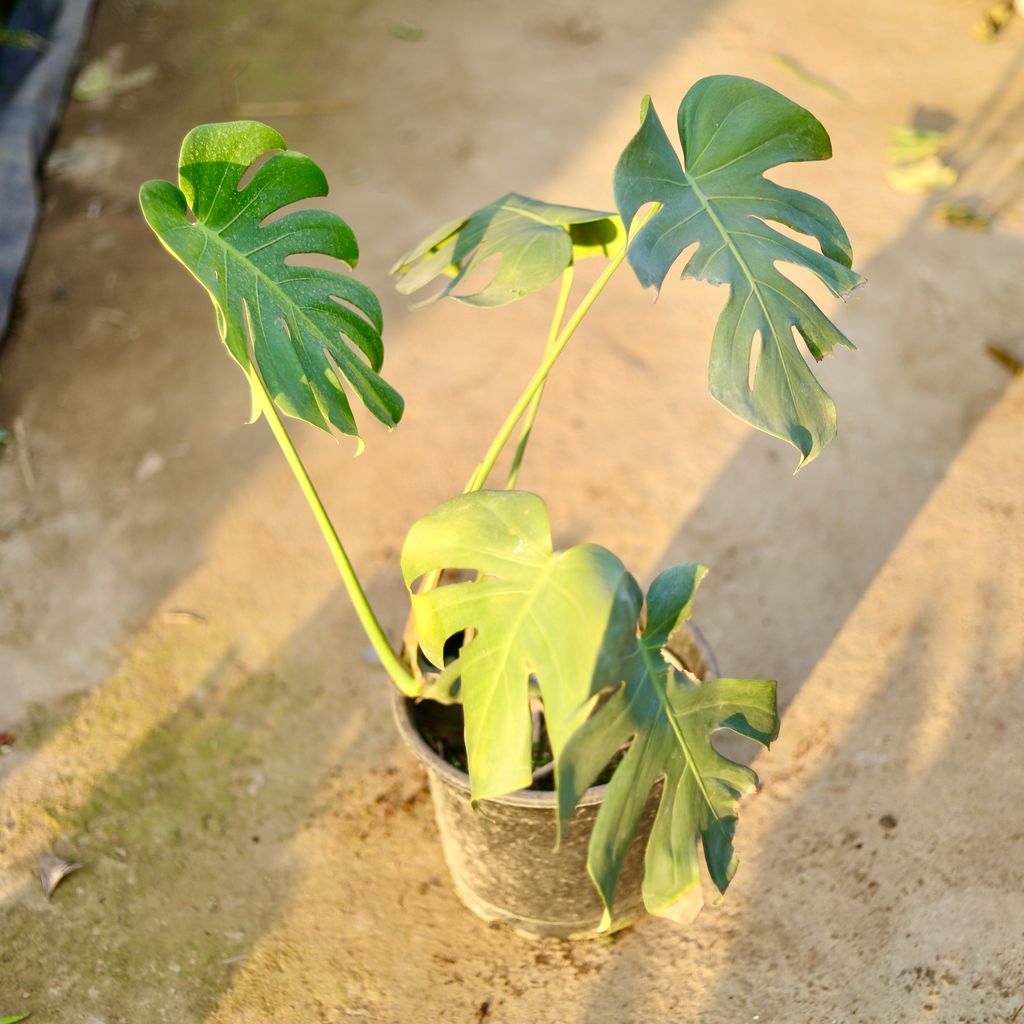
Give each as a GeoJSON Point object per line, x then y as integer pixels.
{"type": "Point", "coordinates": [33, 84]}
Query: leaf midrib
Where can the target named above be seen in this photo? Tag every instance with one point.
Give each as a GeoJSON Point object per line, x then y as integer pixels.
{"type": "Point", "coordinates": [511, 633]}
{"type": "Point", "coordinates": [283, 297]}
{"type": "Point", "coordinates": [521, 212]}
{"type": "Point", "coordinates": [526, 215]}
{"type": "Point", "coordinates": [660, 689]}
{"type": "Point", "coordinates": [752, 281]}
{"type": "Point", "coordinates": [546, 579]}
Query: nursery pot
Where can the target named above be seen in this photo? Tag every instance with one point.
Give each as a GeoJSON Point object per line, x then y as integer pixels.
{"type": "Point", "coordinates": [502, 859]}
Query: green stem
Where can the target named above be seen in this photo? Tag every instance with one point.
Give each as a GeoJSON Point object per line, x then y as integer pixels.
{"type": "Point", "coordinates": [551, 354]}
{"type": "Point", "coordinates": [391, 662]}
{"type": "Point", "coordinates": [483, 471]}
{"type": "Point", "coordinates": [531, 412]}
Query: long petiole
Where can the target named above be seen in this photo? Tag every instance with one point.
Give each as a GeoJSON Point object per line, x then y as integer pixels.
{"type": "Point", "coordinates": [531, 412]}
{"type": "Point", "coordinates": [483, 471]}
{"type": "Point", "coordinates": [551, 354]}
{"type": "Point", "coordinates": [391, 662]}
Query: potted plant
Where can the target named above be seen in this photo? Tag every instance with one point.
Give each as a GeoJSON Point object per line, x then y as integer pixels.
{"type": "Point", "coordinates": [551, 699]}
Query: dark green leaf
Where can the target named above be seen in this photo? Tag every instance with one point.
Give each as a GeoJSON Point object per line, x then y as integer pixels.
{"type": "Point", "coordinates": [309, 328]}
{"type": "Point", "coordinates": [556, 617]}
{"type": "Point", "coordinates": [534, 242]}
{"type": "Point", "coordinates": [667, 719]}
{"type": "Point", "coordinates": [733, 130]}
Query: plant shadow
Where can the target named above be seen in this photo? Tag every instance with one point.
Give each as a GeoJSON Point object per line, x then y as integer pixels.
{"type": "Point", "coordinates": [872, 894]}
{"type": "Point", "coordinates": [791, 569]}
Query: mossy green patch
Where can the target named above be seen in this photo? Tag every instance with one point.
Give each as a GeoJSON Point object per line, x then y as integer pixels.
{"type": "Point", "coordinates": [185, 838]}
{"type": "Point", "coordinates": [40, 721]}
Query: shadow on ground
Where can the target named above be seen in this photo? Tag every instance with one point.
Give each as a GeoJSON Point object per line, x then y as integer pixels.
{"type": "Point", "coordinates": [923, 703]}
{"type": "Point", "coordinates": [923, 381]}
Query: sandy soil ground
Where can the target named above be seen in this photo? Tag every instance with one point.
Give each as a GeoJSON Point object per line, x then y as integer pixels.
{"type": "Point", "coordinates": [197, 720]}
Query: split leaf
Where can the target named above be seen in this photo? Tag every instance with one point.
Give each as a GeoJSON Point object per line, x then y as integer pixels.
{"type": "Point", "coordinates": [667, 719]}
{"type": "Point", "coordinates": [534, 242]}
{"type": "Point", "coordinates": [310, 328]}
{"type": "Point", "coordinates": [732, 130]}
{"type": "Point", "coordinates": [535, 614]}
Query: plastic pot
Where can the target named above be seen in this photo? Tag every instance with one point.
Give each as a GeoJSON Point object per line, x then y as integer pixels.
{"type": "Point", "coordinates": [502, 859]}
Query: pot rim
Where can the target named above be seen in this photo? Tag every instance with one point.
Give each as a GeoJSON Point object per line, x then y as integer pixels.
{"type": "Point", "coordinates": [402, 706]}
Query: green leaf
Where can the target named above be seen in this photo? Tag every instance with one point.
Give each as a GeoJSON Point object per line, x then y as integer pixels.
{"type": "Point", "coordinates": [667, 719]}
{"type": "Point", "coordinates": [733, 130]}
{"type": "Point", "coordinates": [22, 39]}
{"type": "Point", "coordinates": [16, 1018]}
{"type": "Point", "coordinates": [928, 175]}
{"type": "Point", "coordinates": [553, 617]}
{"type": "Point", "coordinates": [310, 328]}
{"type": "Point", "coordinates": [909, 144]}
{"type": "Point", "coordinates": [534, 241]}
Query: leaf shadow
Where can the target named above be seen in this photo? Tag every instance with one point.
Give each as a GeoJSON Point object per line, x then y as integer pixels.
{"type": "Point", "coordinates": [854, 896]}
{"type": "Point", "coordinates": [880, 885]}
{"type": "Point", "coordinates": [792, 566]}
{"type": "Point", "coordinates": [805, 925]}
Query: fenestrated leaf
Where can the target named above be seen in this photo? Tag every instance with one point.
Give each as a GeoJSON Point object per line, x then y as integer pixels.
{"type": "Point", "coordinates": [534, 242]}
{"type": "Point", "coordinates": [557, 617]}
{"type": "Point", "coordinates": [668, 720]}
{"type": "Point", "coordinates": [732, 130]}
{"type": "Point", "coordinates": [307, 324]}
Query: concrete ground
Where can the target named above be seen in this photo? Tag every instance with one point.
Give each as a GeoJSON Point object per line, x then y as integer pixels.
{"type": "Point", "coordinates": [196, 719]}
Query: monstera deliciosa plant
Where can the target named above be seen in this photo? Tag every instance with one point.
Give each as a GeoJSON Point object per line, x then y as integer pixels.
{"type": "Point", "coordinates": [525, 630]}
